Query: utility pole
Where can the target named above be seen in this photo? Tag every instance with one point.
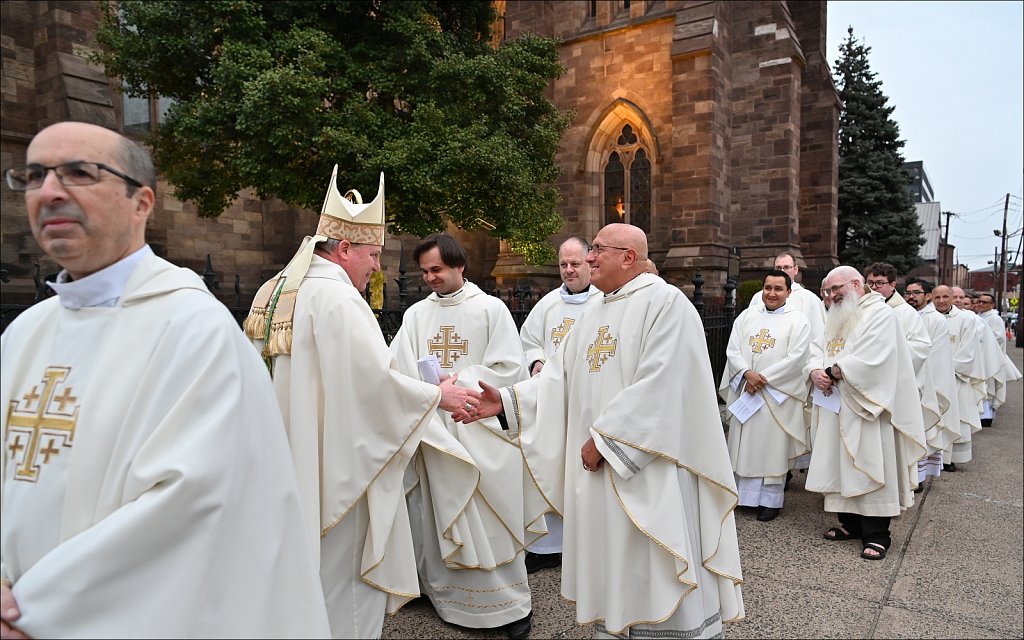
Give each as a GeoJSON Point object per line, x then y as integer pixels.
{"type": "Point", "coordinates": [945, 244]}
{"type": "Point", "coordinates": [1002, 263]}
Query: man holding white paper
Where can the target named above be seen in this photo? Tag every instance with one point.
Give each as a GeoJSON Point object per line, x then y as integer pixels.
{"type": "Point", "coordinates": [470, 536]}
{"type": "Point", "coordinates": [865, 456]}
{"type": "Point", "coordinates": [767, 351]}
{"type": "Point", "coordinates": [353, 421]}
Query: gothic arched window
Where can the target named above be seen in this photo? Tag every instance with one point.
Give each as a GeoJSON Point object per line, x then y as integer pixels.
{"type": "Point", "coordinates": [628, 164]}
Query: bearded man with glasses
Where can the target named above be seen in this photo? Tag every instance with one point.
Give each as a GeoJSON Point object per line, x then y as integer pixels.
{"type": "Point", "coordinates": [145, 461]}
{"type": "Point", "coordinates": [866, 445]}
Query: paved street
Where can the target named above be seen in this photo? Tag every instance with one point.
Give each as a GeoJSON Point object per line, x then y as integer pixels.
{"type": "Point", "coordinates": [955, 569]}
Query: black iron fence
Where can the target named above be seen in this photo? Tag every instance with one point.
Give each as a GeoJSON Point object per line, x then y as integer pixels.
{"type": "Point", "coordinates": [717, 319]}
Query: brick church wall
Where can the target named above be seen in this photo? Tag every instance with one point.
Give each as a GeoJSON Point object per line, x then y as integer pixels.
{"type": "Point", "coordinates": [740, 104]}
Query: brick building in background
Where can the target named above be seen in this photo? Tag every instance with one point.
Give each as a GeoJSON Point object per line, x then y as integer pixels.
{"type": "Point", "coordinates": [712, 125]}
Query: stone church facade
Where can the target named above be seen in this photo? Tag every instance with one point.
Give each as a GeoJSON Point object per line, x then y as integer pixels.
{"type": "Point", "coordinates": [712, 125]}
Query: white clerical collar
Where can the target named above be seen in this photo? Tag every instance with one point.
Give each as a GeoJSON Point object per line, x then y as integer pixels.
{"type": "Point", "coordinates": [928, 308]}
{"type": "Point", "coordinates": [454, 293]}
{"type": "Point", "coordinates": [100, 289]}
{"type": "Point", "coordinates": [777, 312]}
{"type": "Point", "coordinates": [568, 297]}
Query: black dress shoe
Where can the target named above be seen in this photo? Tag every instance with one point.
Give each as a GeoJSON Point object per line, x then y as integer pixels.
{"type": "Point", "coordinates": [789, 476]}
{"type": "Point", "coordinates": [951, 467]}
{"type": "Point", "coordinates": [520, 629]}
{"type": "Point", "coordinates": [986, 422]}
{"type": "Point", "coordinates": [537, 561]}
{"type": "Point", "coordinates": [768, 514]}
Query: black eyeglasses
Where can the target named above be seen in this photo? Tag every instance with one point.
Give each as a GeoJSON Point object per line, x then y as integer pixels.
{"type": "Point", "coordinates": [70, 174]}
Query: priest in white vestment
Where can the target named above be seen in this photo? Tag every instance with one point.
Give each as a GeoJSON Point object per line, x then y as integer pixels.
{"type": "Point", "coordinates": [812, 307]}
{"type": "Point", "coordinates": [353, 420]}
{"type": "Point", "coordinates": [942, 375]}
{"type": "Point", "coordinates": [881, 278]}
{"type": "Point", "coordinates": [1003, 370]}
{"type": "Point", "coordinates": [471, 545]}
{"type": "Point", "coordinates": [988, 313]}
{"type": "Point", "coordinates": [543, 331]}
{"type": "Point", "coordinates": [639, 468]}
{"type": "Point", "coordinates": [147, 490]}
{"type": "Point", "coordinates": [991, 361]}
{"type": "Point", "coordinates": [866, 445]}
{"type": "Point", "coordinates": [767, 351]}
{"type": "Point", "coordinates": [969, 366]}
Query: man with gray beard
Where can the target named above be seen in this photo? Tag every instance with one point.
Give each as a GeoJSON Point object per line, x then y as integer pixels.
{"type": "Point", "coordinates": [867, 442]}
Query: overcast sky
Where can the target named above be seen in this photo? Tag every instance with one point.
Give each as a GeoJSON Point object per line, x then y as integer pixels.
{"type": "Point", "coordinates": [954, 72]}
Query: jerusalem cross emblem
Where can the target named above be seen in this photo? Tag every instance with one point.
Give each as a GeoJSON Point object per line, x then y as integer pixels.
{"type": "Point", "coordinates": [41, 416]}
{"type": "Point", "coordinates": [601, 349]}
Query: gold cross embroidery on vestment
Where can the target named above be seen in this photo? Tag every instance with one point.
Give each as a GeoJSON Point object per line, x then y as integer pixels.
{"type": "Point", "coordinates": [835, 345]}
{"type": "Point", "coordinates": [562, 330]}
{"type": "Point", "coordinates": [447, 346]}
{"type": "Point", "coordinates": [58, 425]}
{"type": "Point", "coordinates": [601, 349]}
{"type": "Point", "coordinates": [761, 341]}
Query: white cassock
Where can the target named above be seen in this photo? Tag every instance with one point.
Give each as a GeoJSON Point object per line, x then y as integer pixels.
{"type": "Point", "coordinates": [471, 538]}
{"type": "Point", "coordinates": [775, 344]}
{"type": "Point", "coordinates": [147, 487]}
{"type": "Point", "coordinates": [943, 377]}
{"type": "Point", "coordinates": [353, 422]}
{"type": "Point", "coordinates": [543, 331]}
{"type": "Point", "coordinates": [811, 306]}
{"type": "Point", "coordinates": [1000, 368]}
{"type": "Point", "coordinates": [865, 456]}
{"type": "Point", "coordinates": [969, 366]}
{"type": "Point", "coordinates": [919, 343]}
{"type": "Point", "coordinates": [650, 537]}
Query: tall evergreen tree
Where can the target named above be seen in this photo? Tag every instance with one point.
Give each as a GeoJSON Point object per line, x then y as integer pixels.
{"type": "Point", "coordinates": [270, 95]}
{"type": "Point", "coordinates": [877, 220]}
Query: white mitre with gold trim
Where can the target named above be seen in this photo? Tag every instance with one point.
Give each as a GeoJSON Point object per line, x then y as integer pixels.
{"type": "Point", "coordinates": [344, 219]}
{"type": "Point", "coordinates": [270, 317]}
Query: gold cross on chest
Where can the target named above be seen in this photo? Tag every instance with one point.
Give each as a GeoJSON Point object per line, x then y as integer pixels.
{"type": "Point", "coordinates": [558, 333]}
{"type": "Point", "coordinates": [447, 346]}
{"type": "Point", "coordinates": [761, 341]}
{"type": "Point", "coordinates": [601, 349]}
{"type": "Point", "coordinates": [34, 424]}
{"type": "Point", "coordinates": [835, 345]}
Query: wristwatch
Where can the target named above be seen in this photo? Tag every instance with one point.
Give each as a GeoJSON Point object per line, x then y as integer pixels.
{"type": "Point", "coordinates": [828, 372]}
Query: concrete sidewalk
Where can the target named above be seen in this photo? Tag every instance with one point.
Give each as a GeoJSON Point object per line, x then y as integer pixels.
{"type": "Point", "coordinates": [955, 568]}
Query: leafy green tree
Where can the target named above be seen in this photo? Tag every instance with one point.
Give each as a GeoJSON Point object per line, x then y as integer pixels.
{"type": "Point", "coordinates": [877, 220]}
{"type": "Point", "coordinates": [270, 95]}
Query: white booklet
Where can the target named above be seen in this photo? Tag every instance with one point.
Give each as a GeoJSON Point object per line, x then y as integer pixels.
{"type": "Point", "coordinates": [746, 405]}
{"type": "Point", "coordinates": [830, 402]}
{"type": "Point", "coordinates": [430, 369]}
